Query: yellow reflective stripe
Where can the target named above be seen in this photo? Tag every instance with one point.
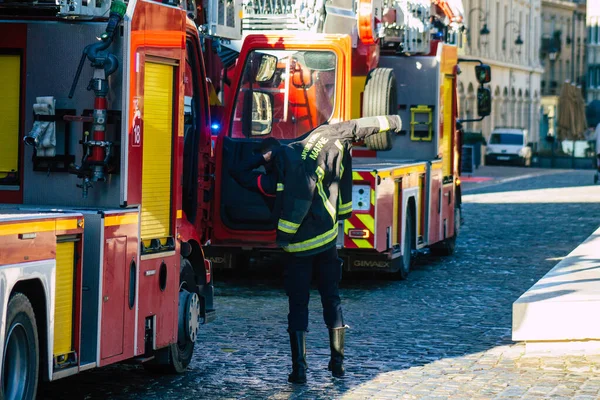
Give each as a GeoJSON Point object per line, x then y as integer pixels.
{"type": "Point", "coordinates": [287, 226]}
{"type": "Point", "coordinates": [126, 219]}
{"type": "Point", "coordinates": [328, 206]}
{"type": "Point", "coordinates": [339, 146]}
{"type": "Point", "coordinates": [356, 176]}
{"type": "Point", "coordinates": [362, 243]}
{"type": "Point", "coordinates": [286, 230]}
{"type": "Point", "coordinates": [326, 203]}
{"type": "Point", "coordinates": [368, 221]}
{"type": "Point", "coordinates": [280, 187]}
{"type": "Point", "coordinates": [347, 226]}
{"type": "Point", "coordinates": [315, 242]}
{"type": "Point", "coordinates": [345, 208]}
{"type": "Point", "coordinates": [384, 124]}
{"type": "Point", "coordinates": [320, 173]}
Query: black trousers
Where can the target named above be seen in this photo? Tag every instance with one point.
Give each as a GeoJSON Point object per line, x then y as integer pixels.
{"type": "Point", "coordinates": [298, 272]}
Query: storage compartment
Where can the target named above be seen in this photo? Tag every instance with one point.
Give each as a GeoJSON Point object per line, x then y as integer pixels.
{"type": "Point", "coordinates": [51, 57]}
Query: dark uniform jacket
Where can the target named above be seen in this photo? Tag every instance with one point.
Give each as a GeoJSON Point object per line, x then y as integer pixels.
{"type": "Point", "coordinates": [312, 182]}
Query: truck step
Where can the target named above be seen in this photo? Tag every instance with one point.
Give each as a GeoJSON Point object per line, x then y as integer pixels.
{"type": "Point", "coordinates": [139, 360]}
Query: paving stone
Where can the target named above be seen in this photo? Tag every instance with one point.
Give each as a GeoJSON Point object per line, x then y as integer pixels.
{"type": "Point", "coordinates": [442, 333]}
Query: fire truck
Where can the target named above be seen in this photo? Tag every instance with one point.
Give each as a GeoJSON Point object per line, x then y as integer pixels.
{"type": "Point", "coordinates": [105, 132]}
{"type": "Point", "coordinates": [307, 63]}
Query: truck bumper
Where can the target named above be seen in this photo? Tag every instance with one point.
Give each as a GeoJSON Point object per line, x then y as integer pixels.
{"type": "Point", "coordinates": [503, 159]}
{"type": "Point", "coordinates": [367, 261]}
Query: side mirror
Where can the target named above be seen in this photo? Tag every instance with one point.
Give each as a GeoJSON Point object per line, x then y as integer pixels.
{"type": "Point", "coordinates": [317, 60]}
{"type": "Point", "coordinates": [483, 73]}
{"type": "Point", "coordinates": [266, 68]}
{"type": "Point", "coordinates": [484, 101]}
{"type": "Point", "coordinates": [257, 118]}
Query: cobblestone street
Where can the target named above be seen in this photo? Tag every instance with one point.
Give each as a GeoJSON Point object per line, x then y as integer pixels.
{"type": "Point", "coordinates": [443, 333]}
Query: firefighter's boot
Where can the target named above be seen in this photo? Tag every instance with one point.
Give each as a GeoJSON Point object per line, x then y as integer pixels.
{"type": "Point", "coordinates": [299, 367]}
{"type": "Point", "coordinates": [336, 343]}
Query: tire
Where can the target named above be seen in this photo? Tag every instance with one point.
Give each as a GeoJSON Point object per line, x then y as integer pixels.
{"type": "Point", "coordinates": [380, 98]}
{"type": "Point", "coordinates": [172, 359]}
{"type": "Point", "coordinates": [175, 358]}
{"type": "Point", "coordinates": [404, 262]}
{"type": "Point", "coordinates": [20, 365]}
{"type": "Point", "coordinates": [447, 247]}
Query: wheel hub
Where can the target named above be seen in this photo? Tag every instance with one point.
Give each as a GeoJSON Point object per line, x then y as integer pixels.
{"type": "Point", "coordinates": [193, 322]}
{"type": "Point", "coordinates": [16, 362]}
{"type": "Point", "coordinates": [189, 316]}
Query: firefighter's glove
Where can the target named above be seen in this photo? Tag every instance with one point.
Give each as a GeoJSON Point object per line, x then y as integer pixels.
{"type": "Point", "coordinates": [368, 126]}
{"type": "Point", "coordinates": [395, 123]}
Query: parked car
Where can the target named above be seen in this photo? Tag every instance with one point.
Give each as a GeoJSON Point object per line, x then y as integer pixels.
{"type": "Point", "coordinates": [508, 146]}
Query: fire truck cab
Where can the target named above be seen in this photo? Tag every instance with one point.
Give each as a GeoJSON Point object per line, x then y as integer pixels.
{"type": "Point", "coordinates": [304, 66]}
{"type": "Point", "coordinates": [105, 132]}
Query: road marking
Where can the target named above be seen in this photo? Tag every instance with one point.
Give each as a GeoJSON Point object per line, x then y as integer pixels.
{"type": "Point", "coordinates": [512, 179]}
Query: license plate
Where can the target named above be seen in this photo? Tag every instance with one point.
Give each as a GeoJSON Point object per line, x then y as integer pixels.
{"type": "Point", "coordinates": [503, 158]}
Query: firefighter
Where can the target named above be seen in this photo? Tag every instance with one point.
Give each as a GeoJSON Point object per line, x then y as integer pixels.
{"type": "Point", "coordinates": [311, 181]}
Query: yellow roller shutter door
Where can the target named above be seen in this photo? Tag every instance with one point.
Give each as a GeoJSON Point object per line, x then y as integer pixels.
{"type": "Point", "coordinates": [448, 126]}
{"type": "Point", "coordinates": [10, 76]}
{"type": "Point", "coordinates": [63, 308]}
{"type": "Point", "coordinates": [157, 145]}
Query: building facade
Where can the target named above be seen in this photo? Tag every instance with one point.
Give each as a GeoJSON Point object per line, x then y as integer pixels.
{"type": "Point", "coordinates": [562, 54]}
{"type": "Point", "coordinates": [593, 50]}
{"type": "Point", "coordinates": [562, 50]}
{"type": "Point", "coordinates": [506, 34]}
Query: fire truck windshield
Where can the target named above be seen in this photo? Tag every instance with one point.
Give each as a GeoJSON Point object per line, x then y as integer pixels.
{"type": "Point", "coordinates": [284, 93]}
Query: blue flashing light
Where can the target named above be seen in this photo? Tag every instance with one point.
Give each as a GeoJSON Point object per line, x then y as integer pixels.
{"type": "Point", "coordinates": [215, 126]}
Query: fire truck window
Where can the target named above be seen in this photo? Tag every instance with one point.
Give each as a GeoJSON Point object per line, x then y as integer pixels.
{"type": "Point", "coordinates": [284, 93]}
{"type": "Point", "coordinates": [10, 75]}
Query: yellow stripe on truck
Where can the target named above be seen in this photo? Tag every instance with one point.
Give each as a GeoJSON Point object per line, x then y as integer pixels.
{"type": "Point", "coordinates": [63, 308]}
{"type": "Point", "coordinates": [368, 221]}
{"type": "Point", "coordinates": [362, 243]}
{"type": "Point", "coordinates": [158, 140]}
{"type": "Point", "coordinates": [27, 227]}
{"type": "Point", "coordinates": [66, 224]}
{"type": "Point", "coordinates": [117, 220]}
{"type": "Point", "coordinates": [358, 83]}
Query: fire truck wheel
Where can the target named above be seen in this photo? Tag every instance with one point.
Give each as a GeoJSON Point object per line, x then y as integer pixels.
{"type": "Point", "coordinates": [403, 262]}
{"type": "Point", "coordinates": [21, 351]}
{"type": "Point", "coordinates": [175, 358]}
{"type": "Point", "coordinates": [380, 98]}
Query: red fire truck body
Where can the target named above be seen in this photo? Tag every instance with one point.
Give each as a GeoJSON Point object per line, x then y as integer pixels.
{"type": "Point", "coordinates": [103, 211]}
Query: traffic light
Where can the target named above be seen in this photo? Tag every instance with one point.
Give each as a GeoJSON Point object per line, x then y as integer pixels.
{"type": "Point", "coordinates": [483, 73]}
{"type": "Point", "coordinates": [484, 101]}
